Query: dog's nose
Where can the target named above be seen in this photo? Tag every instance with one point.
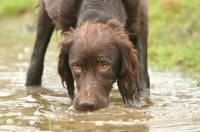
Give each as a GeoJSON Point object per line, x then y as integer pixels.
{"type": "Point", "coordinates": [87, 103]}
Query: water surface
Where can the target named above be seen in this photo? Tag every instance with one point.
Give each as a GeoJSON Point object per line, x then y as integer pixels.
{"type": "Point", "coordinates": [175, 99]}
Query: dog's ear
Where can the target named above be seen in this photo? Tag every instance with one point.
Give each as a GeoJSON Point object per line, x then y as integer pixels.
{"type": "Point", "coordinates": [63, 66]}
{"type": "Point", "coordinates": [128, 78]}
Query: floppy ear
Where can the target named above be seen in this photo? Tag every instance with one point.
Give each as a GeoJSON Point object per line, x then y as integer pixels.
{"type": "Point", "coordinates": [63, 66]}
{"type": "Point", "coordinates": [128, 79]}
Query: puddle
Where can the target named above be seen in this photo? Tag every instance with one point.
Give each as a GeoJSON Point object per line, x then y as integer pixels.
{"type": "Point", "coordinates": [175, 97]}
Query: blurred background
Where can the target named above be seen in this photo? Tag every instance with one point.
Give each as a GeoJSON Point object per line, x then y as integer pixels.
{"type": "Point", "coordinates": [173, 32]}
{"type": "Point", "coordinates": [173, 56]}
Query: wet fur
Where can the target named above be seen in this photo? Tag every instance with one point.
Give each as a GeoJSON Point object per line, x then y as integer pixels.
{"type": "Point", "coordinates": [96, 32]}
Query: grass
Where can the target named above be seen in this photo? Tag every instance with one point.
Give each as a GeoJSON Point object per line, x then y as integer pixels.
{"type": "Point", "coordinates": [50, 123]}
{"type": "Point", "coordinates": [14, 8]}
{"type": "Point", "coordinates": [174, 34]}
{"type": "Point", "coordinates": [173, 31]}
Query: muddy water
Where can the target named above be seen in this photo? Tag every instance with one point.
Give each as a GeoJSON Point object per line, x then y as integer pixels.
{"type": "Point", "coordinates": [175, 100]}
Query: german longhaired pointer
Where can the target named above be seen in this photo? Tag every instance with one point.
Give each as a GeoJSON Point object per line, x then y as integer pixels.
{"type": "Point", "coordinates": [105, 41]}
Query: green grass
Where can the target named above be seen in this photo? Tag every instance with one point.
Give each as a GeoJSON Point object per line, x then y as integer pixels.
{"type": "Point", "coordinates": [50, 123]}
{"type": "Point", "coordinates": [174, 34]}
{"type": "Point", "coordinates": [174, 31]}
{"type": "Point", "coordinates": [14, 8]}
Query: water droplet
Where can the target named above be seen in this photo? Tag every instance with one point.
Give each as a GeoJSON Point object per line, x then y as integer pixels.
{"type": "Point", "coordinates": [20, 56]}
{"type": "Point", "coordinates": [136, 120]}
{"type": "Point", "coordinates": [99, 123]}
{"type": "Point", "coordinates": [9, 121]}
{"type": "Point", "coordinates": [31, 122]}
{"type": "Point", "coordinates": [27, 49]}
{"type": "Point", "coordinates": [36, 113]}
{"type": "Point", "coordinates": [71, 120]}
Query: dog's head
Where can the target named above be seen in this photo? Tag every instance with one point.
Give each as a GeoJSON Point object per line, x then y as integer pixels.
{"type": "Point", "coordinates": [95, 55]}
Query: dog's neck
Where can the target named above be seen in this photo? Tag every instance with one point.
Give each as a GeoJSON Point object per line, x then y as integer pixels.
{"type": "Point", "coordinates": [100, 11]}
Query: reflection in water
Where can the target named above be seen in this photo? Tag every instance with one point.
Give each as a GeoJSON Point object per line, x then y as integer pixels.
{"type": "Point", "coordinates": [175, 100]}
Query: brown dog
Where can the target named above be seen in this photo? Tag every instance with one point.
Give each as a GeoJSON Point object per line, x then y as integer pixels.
{"type": "Point", "coordinates": [98, 49]}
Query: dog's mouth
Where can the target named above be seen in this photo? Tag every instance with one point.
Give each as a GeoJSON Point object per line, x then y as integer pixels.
{"type": "Point", "coordinates": [90, 104]}
{"type": "Point", "coordinates": [90, 108]}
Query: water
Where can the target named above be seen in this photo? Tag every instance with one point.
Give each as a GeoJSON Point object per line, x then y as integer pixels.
{"type": "Point", "coordinates": [175, 99]}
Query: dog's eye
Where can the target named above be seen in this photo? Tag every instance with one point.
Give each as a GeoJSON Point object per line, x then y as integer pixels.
{"type": "Point", "coordinates": [103, 66]}
{"type": "Point", "coordinates": [77, 68]}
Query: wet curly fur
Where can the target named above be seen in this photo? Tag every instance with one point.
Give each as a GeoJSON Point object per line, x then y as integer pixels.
{"type": "Point", "coordinates": [102, 41]}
